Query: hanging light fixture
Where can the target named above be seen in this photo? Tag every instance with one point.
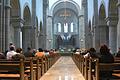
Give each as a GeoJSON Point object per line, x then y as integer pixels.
{"type": "Point", "coordinates": [65, 10]}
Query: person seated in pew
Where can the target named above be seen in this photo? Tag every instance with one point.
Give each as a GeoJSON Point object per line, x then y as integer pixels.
{"type": "Point", "coordinates": [40, 53]}
{"type": "Point", "coordinates": [11, 52]}
{"type": "Point", "coordinates": [91, 53]}
{"type": "Point", "coordinates": [105, 57]}
{"type": "Point", "coordinates": [29, 52]}
{"type": "Point", "coordinates": [51, 52]}
{"type": "Point", "coordinates": [19, 54]}
{"type": "Point", "coordinates": [118, 53]}
{"type": "Point", "coordinates": [46, 52]}
{"type": "Point", "coordinates": [77, 51]}
{"type": "Point", "coordinates": [2, 56]}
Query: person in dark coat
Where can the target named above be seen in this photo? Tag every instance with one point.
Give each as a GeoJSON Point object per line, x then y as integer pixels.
{"type": "Point", "coordinates": [29, 53]}
{"type": "Point", "coordinates": [105, 57]}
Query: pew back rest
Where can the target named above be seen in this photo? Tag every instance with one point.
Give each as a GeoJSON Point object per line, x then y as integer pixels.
{"type": "Point", "coordinates": [11, 65]}
{"type": "Point", "coordinates": [104, 67]}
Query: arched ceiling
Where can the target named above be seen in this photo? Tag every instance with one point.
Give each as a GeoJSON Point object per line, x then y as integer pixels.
{"type": "Point", "coordinates": [71, 16]}
{"type": "Point", "coordinates": [15, 8]}
{"type": "Point", "coordinates": [27, 15]}
{"type": "Point", "coordinates": [112, 9]}
{"type": "Point", "coordinates": [102, 14]}
{"type": "Point", "coordinates": [65, 4]}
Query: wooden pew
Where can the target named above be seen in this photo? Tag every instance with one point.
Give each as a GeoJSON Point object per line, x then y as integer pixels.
{"type": "Point", "coordinates": [102, 67]}
{"type": "Point", "coordinates": [82, 64]}
{"type": "Point", "coordinates": [36, 67]}
{"type": "Point", "coordinates": [12, 70]}
{"type": "Point", "coordinates": [30, 67]}
{"type": "Point", "coordinates": [117, 59]}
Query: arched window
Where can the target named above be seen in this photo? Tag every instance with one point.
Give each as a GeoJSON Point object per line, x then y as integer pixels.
{"type": "Point", "coordinates": [72, 27]}
{"type": "Point", "coordinates": [59, 27]}
{"type": "Point", "coordinates": [66, 27]}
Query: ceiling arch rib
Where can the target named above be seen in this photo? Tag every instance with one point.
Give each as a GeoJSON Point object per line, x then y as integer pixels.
{"type": "Point", "coordinates": [15, 8]}
{"type": "Point", "coordinates": [65, 4]}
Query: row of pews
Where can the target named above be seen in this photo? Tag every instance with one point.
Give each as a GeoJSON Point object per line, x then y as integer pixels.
{"type": "Point", "coordinates": [91, 68]}
{"type": "Point", "coordinates": [32, 68]}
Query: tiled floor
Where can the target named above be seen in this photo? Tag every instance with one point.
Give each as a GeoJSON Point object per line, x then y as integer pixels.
{"type": "Point", "coordinates": [63, 69]}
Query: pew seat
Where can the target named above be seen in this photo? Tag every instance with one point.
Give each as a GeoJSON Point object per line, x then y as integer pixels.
{"type": "Point", "coordinates": [13, 70]}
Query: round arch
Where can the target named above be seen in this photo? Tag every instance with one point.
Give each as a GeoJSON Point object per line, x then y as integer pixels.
{"type": "Point", "coordinates": [57, 13]}
{"type": "Point", "coordinates": [27, 15]}
{"type": "Point", "coordinates": [26, 29]}
{"type": "Point", "coordinates": [102, 12]}
{"type": "Point", "coordinates": [15, 8]}
{"type": "Point", "coordinates": [56, 7]}
{"type": "Point", "coordinates": [105, 4]}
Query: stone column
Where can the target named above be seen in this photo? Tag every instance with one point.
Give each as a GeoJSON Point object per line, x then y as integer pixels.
{"type": "Point", "coordinates": [118, 26]}
{"type": "Point", "coordinates": [1, 23]}
{"type": "Point", "coordinates": [26, 37]}
{"type": "Point", "coordinates": [45, 10]}
{"type": "Point", "coordinates": [96, 36]}
{"type": "Point", "coordinates": [85, 13]}
{"type": "Point", "coordinates": [103, 33]}
{"type": "Point", "coordinates": [81, 31]}
{"type": "Point", "coordinates": [112, 23]}
{"type": "Point", "coordinates": [49, 33]}
{"type": "Point", "coordinates": [17, 23]}
{"type": "Point", "coordinates": [7, 23]}
{"type": "Point", "coordinates": [34, 39]}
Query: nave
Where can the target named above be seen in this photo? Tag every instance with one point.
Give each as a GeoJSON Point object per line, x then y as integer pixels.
{"type": "Point", "coordinates": [63, 69]}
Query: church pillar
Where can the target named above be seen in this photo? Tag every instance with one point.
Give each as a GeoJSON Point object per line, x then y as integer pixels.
{"type": "Point", "coordinates": [26, 37]}
{"type": "Point", "coordinates": [49, 33]}
{"type": "Point", "coordinates": [34, 39]}
{"type": "Point", "coordinates": [111, 21]}
{"type": "Point", "coordinates": [85, 13]}
{"type": "Point", "coordinates": [118, 26]}
{"type": "Point", "coordinates": [81, 32]}
{"type": "Point", "coordinates": [1, 24]}
{"type": "Point", "coordinates": [45, 11]}
{"type": "Point", "coordinates": [103, 33]}
{"type": "Point", "coordinates": [17, 23]}
{"type": "Point", "coordinates": [7, 23]}
{"type": "Point", "coordinates": [96, 38]}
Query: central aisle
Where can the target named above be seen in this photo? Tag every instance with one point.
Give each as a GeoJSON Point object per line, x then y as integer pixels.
{"type": "Point", "coordinates": [63, 69]}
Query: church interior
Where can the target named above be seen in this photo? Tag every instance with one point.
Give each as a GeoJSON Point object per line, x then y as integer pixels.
{"type": "Point", "coordinates": [59, 39]}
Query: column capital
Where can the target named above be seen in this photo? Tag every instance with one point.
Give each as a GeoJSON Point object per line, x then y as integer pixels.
{"type": "Point", "coordinates": [49, 16]}
{"type": "Point", "coordinates": [81, 16]}
{"type": "Point", "coordinates": [112, 20]}
{"type": "Point", "coordinates": [7, 4]}
{"type": "Point", "coordinates": [27, 27]}
{"type": "Point", "coordinates": [118, 4]}
{"type": "Point", "coordinates": [17, 21]}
